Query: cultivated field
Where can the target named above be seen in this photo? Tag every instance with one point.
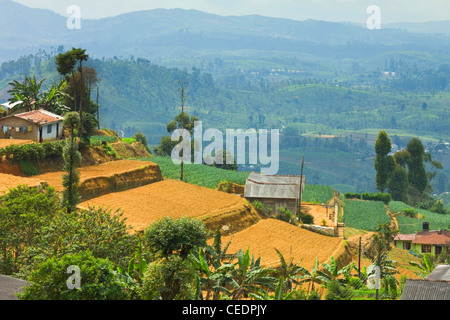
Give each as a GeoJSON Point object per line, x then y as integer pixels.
{"type": "Point", "coordinates": [8, 181]}
{"type": "Point", "coordinates": [173, 198]}
{"type": "Point", "coordinates": [102, 170]}
{"type": "Point", "coordinates": [302, 245]}
{"type": "Point", "coordinates": [7, 142]}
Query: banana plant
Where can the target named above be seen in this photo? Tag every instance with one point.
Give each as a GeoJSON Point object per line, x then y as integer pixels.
{"type": "Point", "coordinates": [426, 266]}
{"type": "Point", "coordinates": [333, 272]}
{"type": "Point", "coordinates": [249, 276]}
{"type": "Point", "coordinates": [313, 277]}
{"type": "Point", "coordinates": [289, 271]}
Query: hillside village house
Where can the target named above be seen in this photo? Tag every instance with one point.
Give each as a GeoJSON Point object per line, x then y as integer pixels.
{"type": "Point", "coordinates": [38, 125]}
{"type": "Point", "coordinates": [434, 242]}
{"type": "Point", "coordinates": [274, 191]}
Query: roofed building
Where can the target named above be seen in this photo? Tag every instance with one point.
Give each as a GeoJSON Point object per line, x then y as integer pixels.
{"type": "Point", "coordinates": [38, 125]}
{"type": "Point", "coordinates": [436, 286]}
{"type": "Point", "coordinates": [434, 242]}
{"type": "Point", "coordinates": [274, 190]}
{"type": "Point", "coordinates": [10, 286]}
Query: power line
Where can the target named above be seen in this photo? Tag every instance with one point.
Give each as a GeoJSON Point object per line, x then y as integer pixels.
{"type": "Point", "coordinates": [124, 108]}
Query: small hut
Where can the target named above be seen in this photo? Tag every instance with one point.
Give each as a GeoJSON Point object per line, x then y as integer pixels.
{"type": "Point", "coordinates": [274, 190]}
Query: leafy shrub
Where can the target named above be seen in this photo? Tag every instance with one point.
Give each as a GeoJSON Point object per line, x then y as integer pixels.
{"type": "Point", "coordinates": [98, 280]}
{"type": "Point", "coordinates": [128, 140]}
{"type": "Point", "coordinates": [306, 218]}
{"type": "Point", "coordinates": [350, 195]}
{"type": "Point", "coordinates": [99, 139]}
{"type": "Point", "coordinates": [285, 215]}
{"type": "Point", "coordinates": [34, 151]}
{"type": "Point", "coordinates": [27, 168]}
{"type": "Point", "coordinates": [409, 212]}
{"type": "Point", "coordinates": [384, 197]}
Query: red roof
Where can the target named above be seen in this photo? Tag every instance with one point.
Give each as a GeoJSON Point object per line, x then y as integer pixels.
{"type": "Point", "coordinates": [40, 116]}
{"type": "Point", "coordinates": [441, 237]}
{"type": "Point", "coordinates": [433, 237]}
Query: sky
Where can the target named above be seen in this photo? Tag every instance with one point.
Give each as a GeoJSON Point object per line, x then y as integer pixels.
{"type": "Point", "coordinates": [329, 10]}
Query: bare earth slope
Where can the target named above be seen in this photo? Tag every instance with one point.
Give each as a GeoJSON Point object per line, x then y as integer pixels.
{"type": "Point", "coordinates": [175, 199]}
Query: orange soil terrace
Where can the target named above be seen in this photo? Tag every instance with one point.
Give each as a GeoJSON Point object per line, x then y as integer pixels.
{"type": "Point", "coordinates": [269, 234]}
{"type": "Point", "coordinates": [102, 170]}
{"type": "Point", "coordinates": [7, 142]}
{"type": "Point", "coordinates": [9, 181]}
{"type": "Point", "coordinates": [144, 205]}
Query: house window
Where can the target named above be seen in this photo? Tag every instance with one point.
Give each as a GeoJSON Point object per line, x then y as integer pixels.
{"type": "Point", "coordinates": [426, 248]}
{"type": "Point", "coordinates": [49, 129]}
{"type": "Point", "coordinates": [437, 250]}
{"type": "Point", "coordinates": [407, 245]}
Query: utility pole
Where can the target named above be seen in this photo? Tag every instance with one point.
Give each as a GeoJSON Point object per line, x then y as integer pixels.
{"type": "Point", "coordinates": [300, 189]}
{"type": "Point", "coordinates": [98, 112]}
{"type": "Point", "coordinates": [359, 259]}
{"type": "Point", "coordinates": [182, 111]}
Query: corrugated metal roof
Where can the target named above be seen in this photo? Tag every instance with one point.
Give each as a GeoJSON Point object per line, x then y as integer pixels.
{"type": "Point", "coordinates": [424, 289]}
{"type": "Point", "coordinates": [441, 272]}
{"type": "Point", "coordinates": [9, 286]}
{"type": "Point", "coordinates": [276, 186]}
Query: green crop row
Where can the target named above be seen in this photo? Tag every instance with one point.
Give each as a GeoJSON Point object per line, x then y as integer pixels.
{"type": "Point", "coordinates": [198, 174]}
{"type": "Point", "coordinates": [365, 215]}
{"type": "Point", "coordinates": [436, 221]}
{"type": "Point", "coordinates": [317, 193]}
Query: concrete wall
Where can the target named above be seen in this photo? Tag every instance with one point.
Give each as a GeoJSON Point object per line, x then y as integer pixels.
{"type": "Point", "coordinates": [53, 134]}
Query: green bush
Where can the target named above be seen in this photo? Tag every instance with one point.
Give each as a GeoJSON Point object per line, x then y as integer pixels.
{"type": "Point", "coordinates": [350, 195]}
{"type": "Point", "coordinates": [306, 218]}
{"type": "Point", "coordinates": [128, 140]}
{"type": "Point", "coordinates": [34, 151]}
{"type": "Point", "coordinates": [98, 280]}
{"type": "Point", "coordinates": [384, 197]}
{"type": "Point", "coordinates": [27, 168]}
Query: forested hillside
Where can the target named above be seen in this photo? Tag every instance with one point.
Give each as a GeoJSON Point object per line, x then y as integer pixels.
{"type": "Point", "coordinates": [333, 123]}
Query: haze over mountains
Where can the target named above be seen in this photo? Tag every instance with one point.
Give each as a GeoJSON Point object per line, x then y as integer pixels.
{"type": "Point", "coordinates": [186, 33]}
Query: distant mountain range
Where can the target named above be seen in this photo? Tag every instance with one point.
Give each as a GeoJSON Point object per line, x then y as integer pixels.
{"type": "Point", "coordinates": [181, 33]}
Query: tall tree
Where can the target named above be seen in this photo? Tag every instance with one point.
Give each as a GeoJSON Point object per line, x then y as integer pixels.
{"type": "Point", "coordinates": [397, 184]}
{"type": "Point", "coordinates": [72, 159]}
{"type": "Point", "coordinates": [384, 164]}
{"type": "Point", "coordinates": [417, 176]}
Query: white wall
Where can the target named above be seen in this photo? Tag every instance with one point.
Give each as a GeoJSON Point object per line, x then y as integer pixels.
{"type": "Point", "coordinates": [52, 135]}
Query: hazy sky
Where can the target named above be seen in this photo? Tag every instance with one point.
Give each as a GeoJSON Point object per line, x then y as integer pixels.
{"type": "Point", "coordinates": [331, 10]}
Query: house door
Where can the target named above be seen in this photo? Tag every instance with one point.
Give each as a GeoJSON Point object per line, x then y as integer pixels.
{"type": "Point", "coordinates": [57, 130]}
{"type": "Point", "coordinates": [40, 134]}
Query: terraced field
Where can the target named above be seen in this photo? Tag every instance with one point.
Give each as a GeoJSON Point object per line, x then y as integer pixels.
{"type": "Point", "coordinates": [108, 177]}
{"type": "Point", "coordinates": [8, 181]}
{"type": "Point", "coordinates": [7, 142]}
{"type": "Point", "coordinates": [144, 205]}
{"type": "Point", "coordinates": [302, 245]}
